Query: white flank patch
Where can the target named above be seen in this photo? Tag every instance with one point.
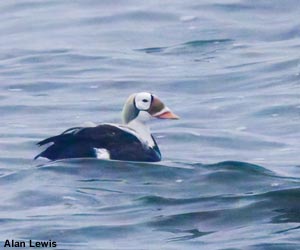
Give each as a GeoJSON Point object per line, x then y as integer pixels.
{"type": "Point", "coordinates": [102, 153]}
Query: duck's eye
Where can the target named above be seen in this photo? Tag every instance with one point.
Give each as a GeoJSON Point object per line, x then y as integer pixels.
{"type": "Point", "coordinates": [145, 100]}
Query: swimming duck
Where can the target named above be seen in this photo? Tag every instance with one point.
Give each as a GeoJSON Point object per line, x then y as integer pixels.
{"type": "Point", "coordinates": [130, 141]}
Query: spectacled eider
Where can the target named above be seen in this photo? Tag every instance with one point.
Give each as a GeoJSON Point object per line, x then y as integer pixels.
{"type": "Point", "coordinates": [130, 141]}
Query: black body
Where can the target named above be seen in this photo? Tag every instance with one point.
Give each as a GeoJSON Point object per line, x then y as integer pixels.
{"type": "Point", "coordinates": [81, 142]}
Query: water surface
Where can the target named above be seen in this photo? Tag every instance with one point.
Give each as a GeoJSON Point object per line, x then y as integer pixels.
{"type": "Point", "coordinates": [230, 175]}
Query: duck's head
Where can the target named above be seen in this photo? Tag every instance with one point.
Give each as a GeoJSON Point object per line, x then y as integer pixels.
{"type": "Point", "coordinates": [143, 106]}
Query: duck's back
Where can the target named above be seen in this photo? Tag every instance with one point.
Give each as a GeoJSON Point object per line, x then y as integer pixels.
{"type": "Point", "coordinates": [105, 141]}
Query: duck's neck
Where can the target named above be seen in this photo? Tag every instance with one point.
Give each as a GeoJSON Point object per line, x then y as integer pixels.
{"type": "Point", "coordinates": [142, 130]}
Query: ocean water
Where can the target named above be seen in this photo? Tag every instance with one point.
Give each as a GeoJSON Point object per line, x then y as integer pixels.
{"type": "Point", "coordinates": [230, 176]}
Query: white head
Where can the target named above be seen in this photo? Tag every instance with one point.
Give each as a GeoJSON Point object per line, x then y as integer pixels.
{"type": "Point", "coordinates": [142, 106]}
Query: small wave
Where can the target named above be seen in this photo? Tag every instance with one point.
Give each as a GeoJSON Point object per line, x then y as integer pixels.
{"type": "Point", "coordinates": [188, 234]}
{"type": "Point", "coordinates": [273, 246]}
{"type": "Point", "coordinates": [197, 43]}
{"type": "Point", "coordinates": [159, 200]}
{"type": "Point", "coordinates": [185, 47]}
{"type": "Point", "coordinates": [42, 86]}
{"type": "Point", "coordinates": [242, 167]}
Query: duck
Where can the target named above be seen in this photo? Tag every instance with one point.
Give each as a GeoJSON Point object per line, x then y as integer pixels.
{"type": "Point", "coordinates": [129, 141]}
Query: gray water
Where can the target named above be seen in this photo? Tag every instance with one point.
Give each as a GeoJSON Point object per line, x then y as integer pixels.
{"type": "Point", "coordinates": [230, 175]}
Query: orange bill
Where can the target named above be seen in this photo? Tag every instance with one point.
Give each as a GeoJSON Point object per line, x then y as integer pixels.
{"type": "Point", "coordinates": [167, 115]}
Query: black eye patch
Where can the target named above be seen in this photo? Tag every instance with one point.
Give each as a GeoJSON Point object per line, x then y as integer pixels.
{"type": "Point", "coordinates": [145, 100]}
